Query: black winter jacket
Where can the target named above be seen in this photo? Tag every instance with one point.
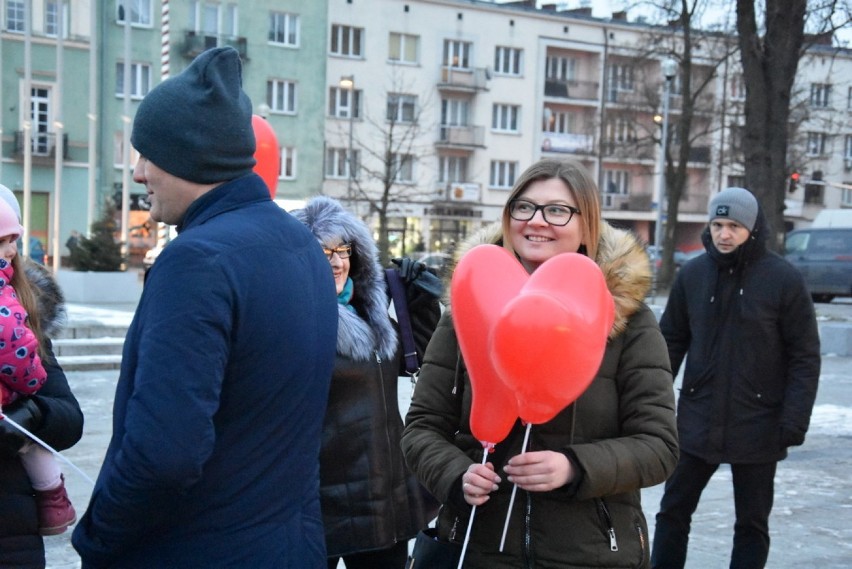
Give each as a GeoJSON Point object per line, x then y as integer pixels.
{"type": "Point", "coordinates": [748, 326]}
{"type": "Point", "coordinates": [57, 420]}
{"type": "Point", "coordinates": [370, 500]}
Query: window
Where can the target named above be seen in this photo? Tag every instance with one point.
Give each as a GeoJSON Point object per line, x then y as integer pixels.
{"type": "Point", "coordinates": [455, 112]}
{"type": "Point", "coordinates": [401, 108]}
{"type": "Point", "coordinates": [213, 19]}
{"type": "Point", "coordinates": [337, 163]}
{"type": "Point", "coordinates": [620, 130]}
{"type": "Point", "coordinates": [284, 29]}
{"type": "Point", "coordinates": [15, 20]}
{"type": "Point", "coordinates": [560, 68]}
{"type": "Point", "coordinates": [403, 48]}
{"type": "Point", "coordinates": [816, 143]}
{"type": "Point", "coordinates": [560, 122]}
{"type": "Point", "coordinates": [503, 174]}
{"type": "Point", "coordinates": [504, 118]}
{"type": "Point", "coordinates": [849, 100]}
{"type": "Point", "coordinates": [346, 40]}
{"type": "Point", "coordinates": [457, 54]}
{"type": "Point", "coordinates": [847, 151]}
{"type": "Point", "coordinates": [118, 152]}
{"type": "Point", "coordinates": [616, 182]}
{"type": "Point", "coordinates": [736, 182]}
{"type": "Point", "coordinates": [737, 87]}
{"type": "Point", "coordinates": [507, 60]}
{"type": "Point", "coordinates": [140, 12]}
{"type": "Point", "coordinates": [452, 169]}
{"type": "Point", "coordinates": [402, 166]}
{"type": "Point", "coordinates": [140, 80]}
{"type": "Point", "coordinates": [621, 77]}
{"type": "Point", "coordinates": [51, 18]}
{"type": "Point", "coordinates": [288, 163]}
{"type": "Point", "coordinates": [820, 95]}
{"type": "Point", "coordinates": [339, 104]}
{"type": "Point", "coordinates": [281, 96]}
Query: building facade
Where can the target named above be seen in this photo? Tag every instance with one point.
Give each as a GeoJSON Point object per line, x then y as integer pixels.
{"type": "Point", "coordinates": [425, 109]}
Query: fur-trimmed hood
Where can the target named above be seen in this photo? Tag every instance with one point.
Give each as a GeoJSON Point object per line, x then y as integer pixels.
{"type": "Point", "coordinates": [358, 335]}
{"type": "Point", "coordinates": [621, 257]}
{"type": "Point", "coordinates": [51, 301]}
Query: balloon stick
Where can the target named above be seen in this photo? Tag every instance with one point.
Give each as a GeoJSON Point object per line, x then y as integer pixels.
{"type": "Point", "coordinates": [514, 491]}
{"type": "Point", "coordinates": [487, 447]}
{"type": "Point", "coordinates": [47, 446]}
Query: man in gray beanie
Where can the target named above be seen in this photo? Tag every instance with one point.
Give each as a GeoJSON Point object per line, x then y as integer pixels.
{"type": "Point", "coordinates": [746, 319]}
{"type": "Point", "coordinates": [214, 457]}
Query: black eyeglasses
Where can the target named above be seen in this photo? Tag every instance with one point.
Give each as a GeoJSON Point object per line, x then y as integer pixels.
{"type": "Point", "coordinates": [554, 214]}
{"type": "Point", "coordinates": [343, 251]}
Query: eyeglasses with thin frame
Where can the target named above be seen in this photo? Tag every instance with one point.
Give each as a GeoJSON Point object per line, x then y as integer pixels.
{"type": "Point", "coordinates": [553, 213]}
{"type": "Point", "coordinates": [343, 251]}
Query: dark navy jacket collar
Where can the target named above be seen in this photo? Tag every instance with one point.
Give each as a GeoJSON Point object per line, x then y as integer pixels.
{"type": "Point", "coordinates": [235, 193]}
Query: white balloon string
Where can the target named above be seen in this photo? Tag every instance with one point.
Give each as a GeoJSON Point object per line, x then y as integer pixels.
{"type": "Point", "coordinates": [514, 491]}
{"type": "Point", "coordinates": [47, 446]}
{"type": "Point", "coordinates": [487, 447]}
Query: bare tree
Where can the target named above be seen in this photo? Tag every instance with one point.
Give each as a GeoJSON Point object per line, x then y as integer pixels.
{"type": "Point", "coordinates": [391, 147]}
{"type": "Point", "coordinates": [770, 52]}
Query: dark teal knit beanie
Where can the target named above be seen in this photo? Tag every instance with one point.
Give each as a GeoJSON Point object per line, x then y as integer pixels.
{"type": "Point", "coordinates": [197, 125]}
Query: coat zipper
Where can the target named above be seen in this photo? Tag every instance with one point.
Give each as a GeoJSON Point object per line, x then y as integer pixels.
{"type": "Point", "coordinates": [607, 519]}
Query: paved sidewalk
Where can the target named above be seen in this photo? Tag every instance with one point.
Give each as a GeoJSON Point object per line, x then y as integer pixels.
{"type": "Point", "coordinates": [811, 524]}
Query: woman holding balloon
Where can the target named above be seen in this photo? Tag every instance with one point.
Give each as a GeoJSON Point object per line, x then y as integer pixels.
{"type": "Point", "coordinates": [566, 344]}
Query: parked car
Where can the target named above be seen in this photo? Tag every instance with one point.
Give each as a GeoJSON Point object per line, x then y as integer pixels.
{"type": "Point", "coordinates": [824, 257]}
{"type": "Point", "coordinates": [440, 262]}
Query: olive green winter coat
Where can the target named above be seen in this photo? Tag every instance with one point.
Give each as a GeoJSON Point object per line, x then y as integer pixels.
{"type": "Point", "coordinates": [620, 433]}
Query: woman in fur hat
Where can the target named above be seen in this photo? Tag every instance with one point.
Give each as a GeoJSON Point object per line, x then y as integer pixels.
{"type": "Point", "coordinates": [371, 504]}
{"type": "Point", "coordinates": [35, 394]}
{"type": "Point", "coordinates": [578, 501]}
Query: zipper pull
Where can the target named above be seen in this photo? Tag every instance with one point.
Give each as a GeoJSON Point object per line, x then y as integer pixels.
{"type": "Point", "coordinates": [613, 545]}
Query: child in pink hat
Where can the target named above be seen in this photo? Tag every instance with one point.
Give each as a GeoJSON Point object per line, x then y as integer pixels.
{"type": "Point", "coordinates": [22, 375]}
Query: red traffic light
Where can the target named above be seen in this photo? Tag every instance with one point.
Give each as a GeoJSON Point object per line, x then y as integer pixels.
{"type": "Point", "coordinates": [794, 176]}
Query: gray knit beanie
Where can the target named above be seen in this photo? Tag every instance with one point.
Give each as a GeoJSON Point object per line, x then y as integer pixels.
{"type": "Point", "coordinates": [737, 204]}
{"type": "Point", "coordinates": [197, 125]}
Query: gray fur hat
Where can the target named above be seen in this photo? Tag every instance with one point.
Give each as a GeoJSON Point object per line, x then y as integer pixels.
{"type": "Point", "coordinates": [197, 125]}
{"type": "Point", "coordinates": [371, 329]}
{"type": "Point", "coordinates": [737, 204]}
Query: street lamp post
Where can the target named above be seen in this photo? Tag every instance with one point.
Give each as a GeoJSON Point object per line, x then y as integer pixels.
{"type": "Point", "coordinates": [669, 70]}
{"type": "Point", "coordinates": [348, 82]}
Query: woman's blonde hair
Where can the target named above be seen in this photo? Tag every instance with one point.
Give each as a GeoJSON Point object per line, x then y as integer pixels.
{"type": "Point", "coordinates": [582, 187]}
{"type": "Point", "coordinates": [28, 299]}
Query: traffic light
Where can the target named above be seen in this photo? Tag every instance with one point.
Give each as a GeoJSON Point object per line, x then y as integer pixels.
{"type": "Point", "coordinates": [794, 181]}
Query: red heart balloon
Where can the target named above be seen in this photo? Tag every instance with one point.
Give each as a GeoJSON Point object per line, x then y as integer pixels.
{"type": "Point", "coordinates": [266, 155]}
{"type": "Point", "coordinates": [485, 279]}
{"type": "Point", "coordinates": [549, 341]}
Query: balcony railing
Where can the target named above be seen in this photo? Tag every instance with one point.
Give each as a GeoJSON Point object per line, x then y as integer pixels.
{"type": "Point", "coordinates": [43, 144]}
{"type": "Point", "coordinates": [465, 136]}
{"type": "Point", "coordinates": [567, 89]}
{"type": "Point", "coordinates": [628, 150]}
{"type": "Point", "coordinates": [196, 42]}
{"type": "Point", "coordinates": [470, 79]}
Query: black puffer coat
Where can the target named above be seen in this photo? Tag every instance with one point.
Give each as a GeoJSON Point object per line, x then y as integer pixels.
{"type": "Point", "coordinates": [56, 418]}
{"type": "Point", "coordinates": [370, 500]}
{"type": "Point", "coordinates": [620, 433]}
{"type": "Point", "coordinates": [748, 325]}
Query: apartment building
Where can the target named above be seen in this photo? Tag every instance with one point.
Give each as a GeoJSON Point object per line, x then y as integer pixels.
{"type": "Point", "coordinates": [439, 104]}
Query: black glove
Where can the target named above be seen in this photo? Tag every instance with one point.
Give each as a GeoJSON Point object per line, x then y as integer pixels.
{"type": "Point", "coordinates": [27, 414]}
{"type": "Point", "coordinates": [791, 437]}
{"type": "Point", "coordinates": [417, 274]}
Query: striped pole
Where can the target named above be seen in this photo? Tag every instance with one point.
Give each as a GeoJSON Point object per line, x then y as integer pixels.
{"type": "Point", "coordinates": [163, 234]}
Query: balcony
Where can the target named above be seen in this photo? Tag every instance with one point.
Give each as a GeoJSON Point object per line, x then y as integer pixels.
{"type": "Point", "coordinates": [568, 143]}
{"type": "Point", "coordinates": [196, 42]}
{"type": "Point", "coordinates": [632, 150]}
{"type": "Point", "coordinates": [468, 80]}
{"type": "Point", "coordinates": [43, 145]}
{"type": "Point", "coordinates": [569, 89]}
{"type": "Point", "coordinates": [461, 137]}
{"type": "Point", "coordinates": [615, 202]}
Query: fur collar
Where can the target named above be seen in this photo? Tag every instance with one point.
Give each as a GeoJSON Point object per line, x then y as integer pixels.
{"type": "Point", "coordinates": [51, 302]}
{"type": "Point", "coordinates": [621, 257]}
{"type": "Point", "coordinates": [359, 335]}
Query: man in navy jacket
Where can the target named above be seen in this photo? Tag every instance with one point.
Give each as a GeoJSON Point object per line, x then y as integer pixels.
{"type": "Point", "coordinates": [218, 411]}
